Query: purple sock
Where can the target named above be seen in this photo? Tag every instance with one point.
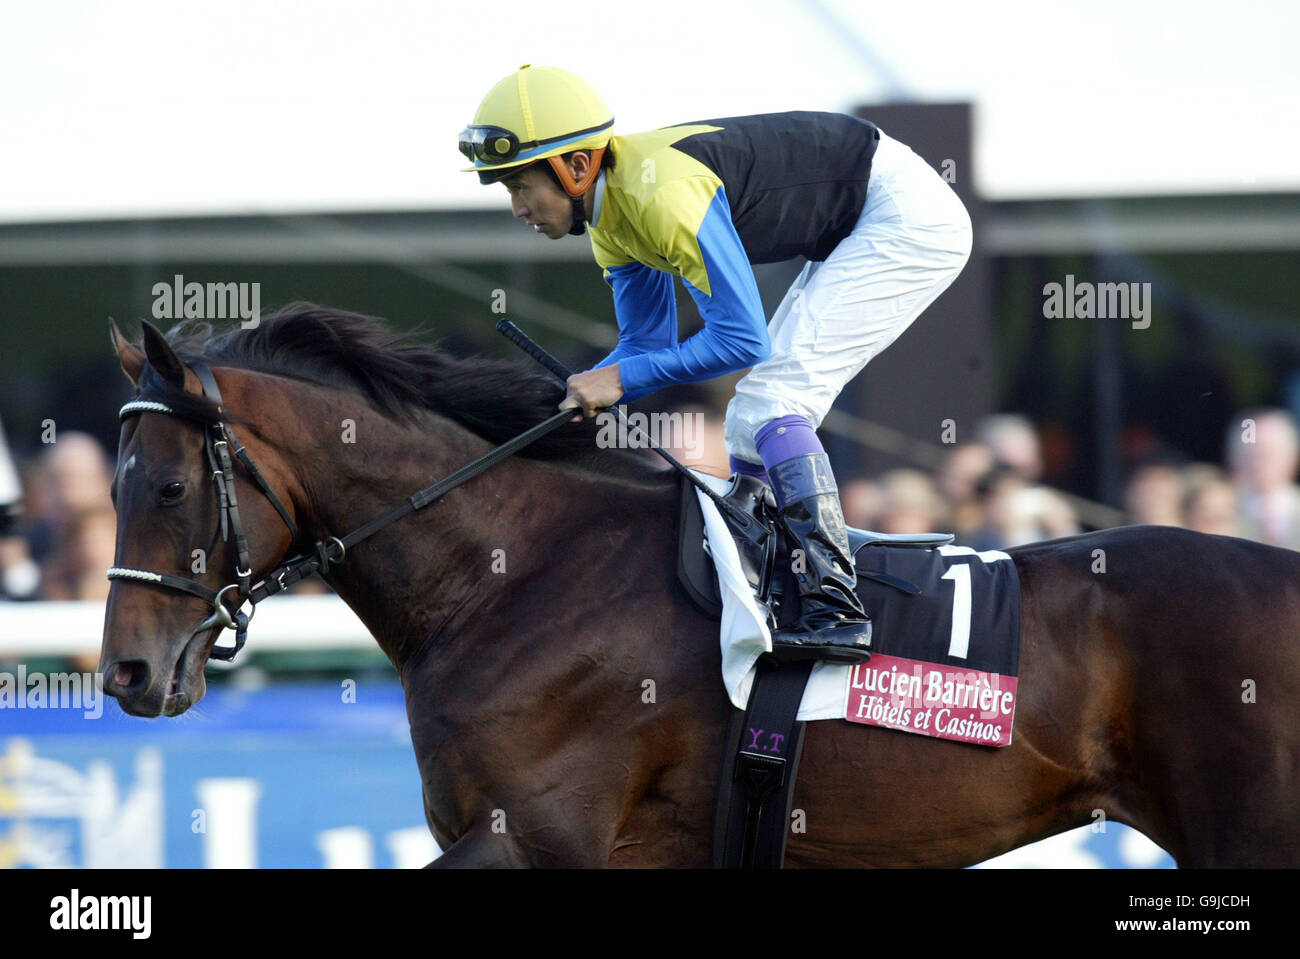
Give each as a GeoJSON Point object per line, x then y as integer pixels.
{"type": "Point", "coordinates": [749, 469]}
{"type": "Point", "coordinates": [785, 438]}
{"type": "Point", "coordinates": [788, 438]}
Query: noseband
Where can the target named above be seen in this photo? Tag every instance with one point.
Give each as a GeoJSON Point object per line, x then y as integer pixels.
{"type": "Point", "coordinates": [330, 551]}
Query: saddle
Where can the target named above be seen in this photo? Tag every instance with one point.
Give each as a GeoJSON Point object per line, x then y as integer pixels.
{"type": "Point", "coordinates": [764, 742]}
{"type": "Point", "coordinates": [760, 562]}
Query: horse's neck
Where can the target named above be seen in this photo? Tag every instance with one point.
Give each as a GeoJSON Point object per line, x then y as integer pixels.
{"type": "Point", "coordinates": [424, 579]}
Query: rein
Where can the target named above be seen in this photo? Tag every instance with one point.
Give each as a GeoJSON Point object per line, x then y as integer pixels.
{"type": "Point", "coordinates": [219, 442]}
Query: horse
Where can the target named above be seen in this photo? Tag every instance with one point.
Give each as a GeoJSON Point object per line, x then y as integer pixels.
{"type": "Point", "coordinates": [525, 611]}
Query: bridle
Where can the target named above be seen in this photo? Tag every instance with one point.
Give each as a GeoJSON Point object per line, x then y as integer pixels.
{"type": "Point", "coordinates": [220, 443]}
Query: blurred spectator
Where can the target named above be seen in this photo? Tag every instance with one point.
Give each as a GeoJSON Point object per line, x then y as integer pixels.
{"type": "Point", "coordinates": [20, 577]}
{"type": "Point", "coordinates": [72, 477]}
{"type": "Point", "coordinates": [1017, 512]}
{"type": "Point", "coordinates": [1056, 517]}
{"type": "Point", "coordinates": [862, 502]}
{"type": "Point", "coordinates": [1263, 451]}
{"type": "Point", "coordinates": [993, 490]}
{"type": "Point", "coordinates": [958, 482]}
{"type": "Point", "coordinates": [19, 574]}
{"type": "Point", "coordinates": [1013, 442]}
{"type": "Point", "coordinates": [68, 527]}
{"type": "Point", "coordinates": [911, 504]}
{"type": "Point", "coordinates": [84, 552]}
{"type": "Point", "coordinates": [1209, 501]}
{"type": "Point", "coordinates": [76, 568]}
{"type": "Point", "coordinates": [1155, 495]}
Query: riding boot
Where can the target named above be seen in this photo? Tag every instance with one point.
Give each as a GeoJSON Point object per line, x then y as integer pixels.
{"type": "Point", "coordinates": [832, 624]}
{"type": "Point", "coordinates": [753, 497]}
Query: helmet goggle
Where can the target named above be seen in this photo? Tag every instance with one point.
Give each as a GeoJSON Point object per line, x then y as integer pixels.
{"type": "Point", "coordinates": [488, 144]}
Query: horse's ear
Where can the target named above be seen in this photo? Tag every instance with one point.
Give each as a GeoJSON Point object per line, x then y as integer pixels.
{"type": "Point", "coordinates": [161, 356]}
{"type": "Point", "coordinates": [131, 357]}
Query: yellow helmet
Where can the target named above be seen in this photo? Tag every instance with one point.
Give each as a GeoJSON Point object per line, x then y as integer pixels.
{"type": "Point", "coordinates": [537, 113]}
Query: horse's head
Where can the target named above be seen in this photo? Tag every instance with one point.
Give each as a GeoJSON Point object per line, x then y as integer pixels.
{"type": "Point", "coordinates": [196, 525]}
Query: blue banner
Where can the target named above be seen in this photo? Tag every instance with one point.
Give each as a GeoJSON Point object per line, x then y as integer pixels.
{"type": "Point", "coordinates": [319, 775]}
{"type": "Point", "coordinates": [284, 776]}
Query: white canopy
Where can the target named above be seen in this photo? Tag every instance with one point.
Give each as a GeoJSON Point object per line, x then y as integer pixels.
{"type": "Point", "coordinates": [159, 108]}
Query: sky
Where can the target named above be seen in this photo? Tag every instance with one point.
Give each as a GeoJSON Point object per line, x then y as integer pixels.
{"type": "Point", "coordinates": [142, 108]}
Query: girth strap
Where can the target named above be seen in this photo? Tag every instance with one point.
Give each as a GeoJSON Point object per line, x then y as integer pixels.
{"type": "Point", "coordinates": [752, 819]}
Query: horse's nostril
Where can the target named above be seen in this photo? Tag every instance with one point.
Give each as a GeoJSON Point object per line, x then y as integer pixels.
{"type": "Point", "coordinates": [127, 676]}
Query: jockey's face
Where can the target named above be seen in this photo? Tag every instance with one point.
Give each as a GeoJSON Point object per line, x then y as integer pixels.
{"type": "Point", "coordinates": [538, 200]}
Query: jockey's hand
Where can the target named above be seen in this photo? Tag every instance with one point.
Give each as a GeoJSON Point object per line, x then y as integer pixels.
{"type": "Point", "coordinates": [593, 390]}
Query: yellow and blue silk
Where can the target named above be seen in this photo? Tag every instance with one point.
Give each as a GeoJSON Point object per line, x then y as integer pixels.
{"type": "Point", "coordinates": [703, 201]}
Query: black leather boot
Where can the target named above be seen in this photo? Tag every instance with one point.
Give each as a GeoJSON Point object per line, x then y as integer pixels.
{"type": "Point", "coordinates": [754, 498]}
{"type": "Point", "coordinates": [832, 624]}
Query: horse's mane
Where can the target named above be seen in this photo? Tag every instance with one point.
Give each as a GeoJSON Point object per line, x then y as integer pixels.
{"type": "Point", "coordinates": [401, 375]}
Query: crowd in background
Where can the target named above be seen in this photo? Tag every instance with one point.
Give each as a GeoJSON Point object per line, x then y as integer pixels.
{"type": "Point", "coordinates": [59, 539]}
{"type": "Point", "coordinates": [988, 491]}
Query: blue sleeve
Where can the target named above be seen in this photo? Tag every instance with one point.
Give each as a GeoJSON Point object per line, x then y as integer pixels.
{"type": "Point", "coordinates": [735, 330]}
{"type": "Point", "coordinates": [646, 306]}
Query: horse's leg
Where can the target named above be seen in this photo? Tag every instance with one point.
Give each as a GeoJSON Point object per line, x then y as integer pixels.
{"type": "Point", "coordinates": [562, 808]}
{"type": "Point", "coordinates": [479, 849]}
{"type": "Point", "coordinates": [511, 829]}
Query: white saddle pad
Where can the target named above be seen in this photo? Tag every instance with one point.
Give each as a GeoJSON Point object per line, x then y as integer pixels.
{"type": "Point", "coordinates": [745, 635]}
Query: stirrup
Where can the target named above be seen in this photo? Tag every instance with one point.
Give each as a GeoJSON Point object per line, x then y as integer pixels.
{"type": "Point", "coordinates": [846, 654]}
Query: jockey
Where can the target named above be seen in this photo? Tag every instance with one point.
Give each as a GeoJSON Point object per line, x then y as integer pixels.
{"type": "Point", "coordinates": [883, 235]}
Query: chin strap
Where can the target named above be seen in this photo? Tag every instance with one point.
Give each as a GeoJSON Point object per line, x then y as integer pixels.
{"type": "Point", "coordinates": [577, 191]}
{"type": "Point", "coordinates": [579, 216]}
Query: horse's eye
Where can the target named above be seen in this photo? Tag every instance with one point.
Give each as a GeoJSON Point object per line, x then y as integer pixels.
{"type": "Point", "coordinates": [171, 492]}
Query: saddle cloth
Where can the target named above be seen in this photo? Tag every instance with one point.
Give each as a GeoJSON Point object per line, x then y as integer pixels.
{"type": "Point", "coordinates": [927, 629]}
